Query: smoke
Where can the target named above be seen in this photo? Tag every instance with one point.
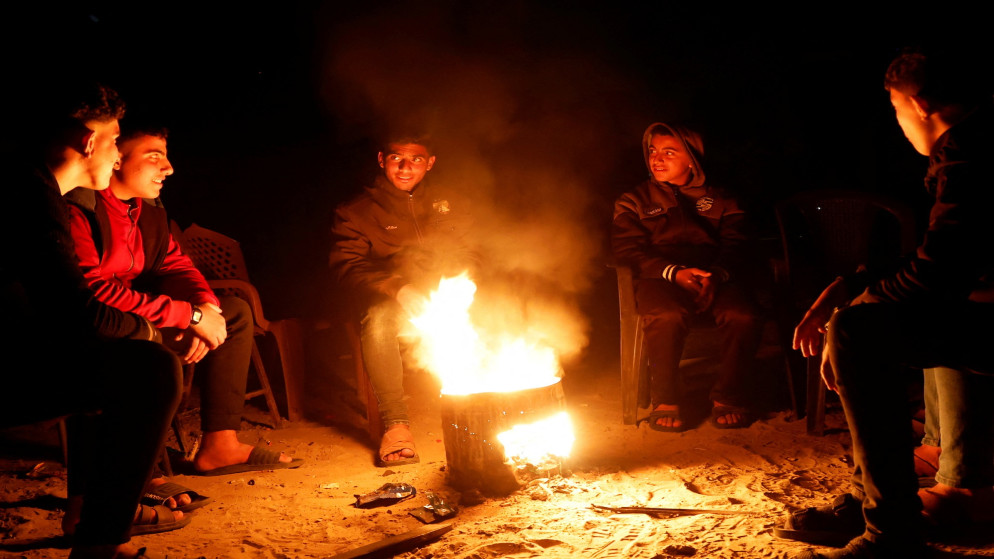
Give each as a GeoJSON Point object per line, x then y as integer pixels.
{"type": "Point", "coordinates": [524, 126]}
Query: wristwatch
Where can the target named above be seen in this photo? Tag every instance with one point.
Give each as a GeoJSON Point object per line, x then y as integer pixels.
{"type": "Point", "coordinates": [196, 315]}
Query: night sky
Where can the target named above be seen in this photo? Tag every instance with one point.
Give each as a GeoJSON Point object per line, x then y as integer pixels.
{"type": "Point", "coordinates": [539, 106]}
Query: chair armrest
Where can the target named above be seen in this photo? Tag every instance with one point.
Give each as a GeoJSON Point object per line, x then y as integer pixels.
{"type": "Point", "coordinates": [246, 291]}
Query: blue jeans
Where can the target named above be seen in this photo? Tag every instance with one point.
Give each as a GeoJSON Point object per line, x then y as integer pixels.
{"type": "Point", "coordinates": [380, 339]}
{"type": "Point", "coordinates": [960, 420]}
{"type": "Point", "coordinates": [871, 347]}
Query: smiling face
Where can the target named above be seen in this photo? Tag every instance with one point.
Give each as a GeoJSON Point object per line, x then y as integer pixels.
{"type": "Point", "coordinates": [669, 160]}
{"type": "Point", "coordinates": [143, 169]}
{"type": "Point", "coordinates": [405, 165]}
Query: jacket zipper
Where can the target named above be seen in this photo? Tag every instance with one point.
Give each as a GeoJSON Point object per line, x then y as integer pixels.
{"type": "Point", "coordinates": [414, 217]}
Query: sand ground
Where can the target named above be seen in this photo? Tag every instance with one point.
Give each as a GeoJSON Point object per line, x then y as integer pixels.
{"type": "Point", "coordinates": [763, 471]}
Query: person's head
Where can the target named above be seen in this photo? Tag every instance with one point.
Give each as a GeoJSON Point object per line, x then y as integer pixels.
{"type": "Point", "coordinates": [144, 163]}
{"type": "Point", "coordinates": [405, 159]}
{"type": "Point", "coordinates": [78, 132]}
{"type": "Point", "coordinates": [930, 92]}
{"type": "Point", "coordinates": [672, 154]}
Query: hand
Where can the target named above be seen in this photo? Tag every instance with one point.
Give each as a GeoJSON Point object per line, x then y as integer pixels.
{"type": "Point", "coordinates": [809, 332]}
{"type": "Point", "coordinates": [706, 295]}
{"type": "Point", "coordinates": [195, 350]}
{"type": "Point", "coordinates": [411, 300]}
{"type": "Point", "coordinates": [691, 279]}
{"type": "Point", "coordinates": [211, 328]}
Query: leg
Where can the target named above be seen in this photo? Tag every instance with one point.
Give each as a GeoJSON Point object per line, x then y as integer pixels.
{"type": "Point", "coordinates": [740, 325]}
{"type": "Point", "coordinates": [664, 309]}
{"type": "Point", "coordinates": [134, 380]}
{"type": "Point", "coordinates": [381, 356]}
{"type": "Point", "coordinates": [927, 454]}
{"type": "Point", "coordinates": [224, 372]}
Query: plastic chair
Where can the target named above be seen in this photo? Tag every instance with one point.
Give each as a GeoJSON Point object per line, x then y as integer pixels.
{"type": "Point", "coordinates": [825, 234]}
{"type": "Point", "coordinates": [220, 259]}
{"type": "Point", "coordinates": [634, 361]}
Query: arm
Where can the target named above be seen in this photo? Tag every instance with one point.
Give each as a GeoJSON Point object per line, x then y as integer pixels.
{"type": "Point", "coordinates": [163, 311]}
{"type": "Point", "coordinates": [353, 265]}
{"type": "Point", "coordinates": [631, 242]}
{"type": "Point", "coordinates": [951, 258]}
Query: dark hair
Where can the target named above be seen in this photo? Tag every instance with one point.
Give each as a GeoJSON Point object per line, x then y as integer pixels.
{"type": "Point", "coordinates": [57, 111]}
{"type": "Point", "coordinates": [95, 102]}
{"type": "Point", "coordinates": [130, 131]}
{"type": "Point", "coordinates": [418, 137]}
{"type": "Point", "coordinates": [941, 78]}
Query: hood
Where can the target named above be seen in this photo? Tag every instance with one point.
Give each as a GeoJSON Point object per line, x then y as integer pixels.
{"type": "Point", "coordinates": [691, 142]}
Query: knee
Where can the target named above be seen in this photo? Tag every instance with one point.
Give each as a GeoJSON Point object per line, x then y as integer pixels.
{"type": "Point", "coordinates": [151, 373]}
{"type": "Point", "coordinates": [664, 319]}
{"type": "Point", "coordinates": [237, 315]}
{"type": "Point", "coordinates": [739, 319]}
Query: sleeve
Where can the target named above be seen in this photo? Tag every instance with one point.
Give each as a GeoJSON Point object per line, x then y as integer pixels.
{"type": "Point", "coordinates": [161, 310]}
{"type": "Point", "coordinates": [733, 237]}
{"type": "Point", "coordinates": [952, 256]}
{"type": "Point", "coordinates": [352, 263]}
{"type": "Point", "coordinates": [631, 242]}
{"type": "Point", "coordinates": [53, 287]}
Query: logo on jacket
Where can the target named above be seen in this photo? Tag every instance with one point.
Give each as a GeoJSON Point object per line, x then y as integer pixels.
{"type": "Point", "coordinates": [653, 210]}
{"type": "Point", "coordinates": [704, 203]}
{"type": "Point", "coordinates": [441, 206]}
{"type": "Point", "coordinates": [389, 227]}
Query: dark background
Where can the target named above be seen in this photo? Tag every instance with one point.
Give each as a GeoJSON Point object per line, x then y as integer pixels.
{"type": "Point", "coordinates": [539, 107]}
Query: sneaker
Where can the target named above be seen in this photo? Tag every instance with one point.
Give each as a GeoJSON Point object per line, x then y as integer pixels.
{"type": "Point", "coordinates": [833, 525]}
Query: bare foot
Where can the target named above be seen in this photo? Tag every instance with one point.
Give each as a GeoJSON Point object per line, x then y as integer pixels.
{"type": "Point", "coordinates": [668, 422]}
{"type": "Point", "coordinates": [399, 433]}
{"type": "Point", "coordinates": [222, 448]}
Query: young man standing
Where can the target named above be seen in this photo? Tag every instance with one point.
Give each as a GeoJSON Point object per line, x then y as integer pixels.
{"type": "Point", "coordinates": [132, 263]}
{"type": "Point", "coordinates": [386, 241]}
{"type": "Point", "coordinates": [936, 311]}
{"type": "Point", "coordinates": [66, 353]}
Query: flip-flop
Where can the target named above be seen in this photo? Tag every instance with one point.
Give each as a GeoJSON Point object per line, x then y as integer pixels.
{"type": "Point", "coordinates": [660, 414]}
{"type": "Point", "coordinates": [260, 459]}
{"type": "Point", "coordinates": [400, 439]}
{"type": "Point", "coordinates": [156, 496]}
{"type": "Point", "coordinates": [745, 418]}
{"type": "Point", "coordinates": [155, 520]}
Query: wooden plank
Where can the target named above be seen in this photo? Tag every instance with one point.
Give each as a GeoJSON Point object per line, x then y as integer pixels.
{"type": "Point", "coordinates": [388, 547]}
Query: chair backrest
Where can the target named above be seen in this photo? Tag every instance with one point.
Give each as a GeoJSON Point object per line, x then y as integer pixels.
{"type": "Point", "coordinates": [215, 255]}
{"type": "Point", "coordinates": [827, 233]}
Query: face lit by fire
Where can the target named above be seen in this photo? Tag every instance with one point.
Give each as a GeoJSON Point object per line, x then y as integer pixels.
{"type": "Point", "coordinates": [914, 121]}
{"type": "Point", "coordinates": [101, 153]}
{"type": "Point", "coordinates": [668, 160]}
{"type": "Point", "coordinates": [143, 168]}
{"type": "Point", "coordinates": [405, 165]}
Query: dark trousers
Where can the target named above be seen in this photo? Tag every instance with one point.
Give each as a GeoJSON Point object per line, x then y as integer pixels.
{"type": "Point", "coordinates": [224, 371]}
{"type": "Point", "coordinates": [129, 390]}
{"type": "Point", "coordinates": [871, 347]}
{"type": "Point", "coordinates": [380, 333]}
{"type": "Point", "coordinates": [667, 311]}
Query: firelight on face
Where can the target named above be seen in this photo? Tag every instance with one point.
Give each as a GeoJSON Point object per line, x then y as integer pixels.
{"type": "Point", "coordinates": [405, 165]}
{"type": "Point", "coordinates": [668, 160]}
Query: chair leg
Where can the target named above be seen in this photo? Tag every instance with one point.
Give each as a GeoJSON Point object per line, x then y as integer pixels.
{"type": "Point", "coordinates": [288, 343]}
{"type": "Point", "coordinates": [265, 390]}
{"type": "Point", "coordinates": [815, 398]}
{"type": "Point", "coordinates": [64, 441]}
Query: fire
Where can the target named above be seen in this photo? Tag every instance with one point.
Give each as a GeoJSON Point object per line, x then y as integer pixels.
{"type": "Point", "coordinates": [451, 348]}
{"type": "Point", "coordinates": [466, 362]}
{"type": "Point", "coordinates": [542, 441]}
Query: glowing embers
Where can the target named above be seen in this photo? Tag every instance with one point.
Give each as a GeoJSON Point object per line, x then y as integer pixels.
{"type": "Point", "coordinates": [542, 443]}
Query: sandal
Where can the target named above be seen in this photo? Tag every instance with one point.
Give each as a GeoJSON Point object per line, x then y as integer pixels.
{"type": "Point", "coordinates": [395, 440]}
{"type": "Point", "coordinates": [722, 410]}
{"type": "Point", "coordinates": [661, 414]}
{"type": "Point", "coordinates": [158, 495]}
{"type": "Point", "coordinates": [155, 520]}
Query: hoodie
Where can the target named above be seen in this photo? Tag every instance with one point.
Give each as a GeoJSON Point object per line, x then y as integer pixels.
{"type": "Point", "coordinates": [660, 228]}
